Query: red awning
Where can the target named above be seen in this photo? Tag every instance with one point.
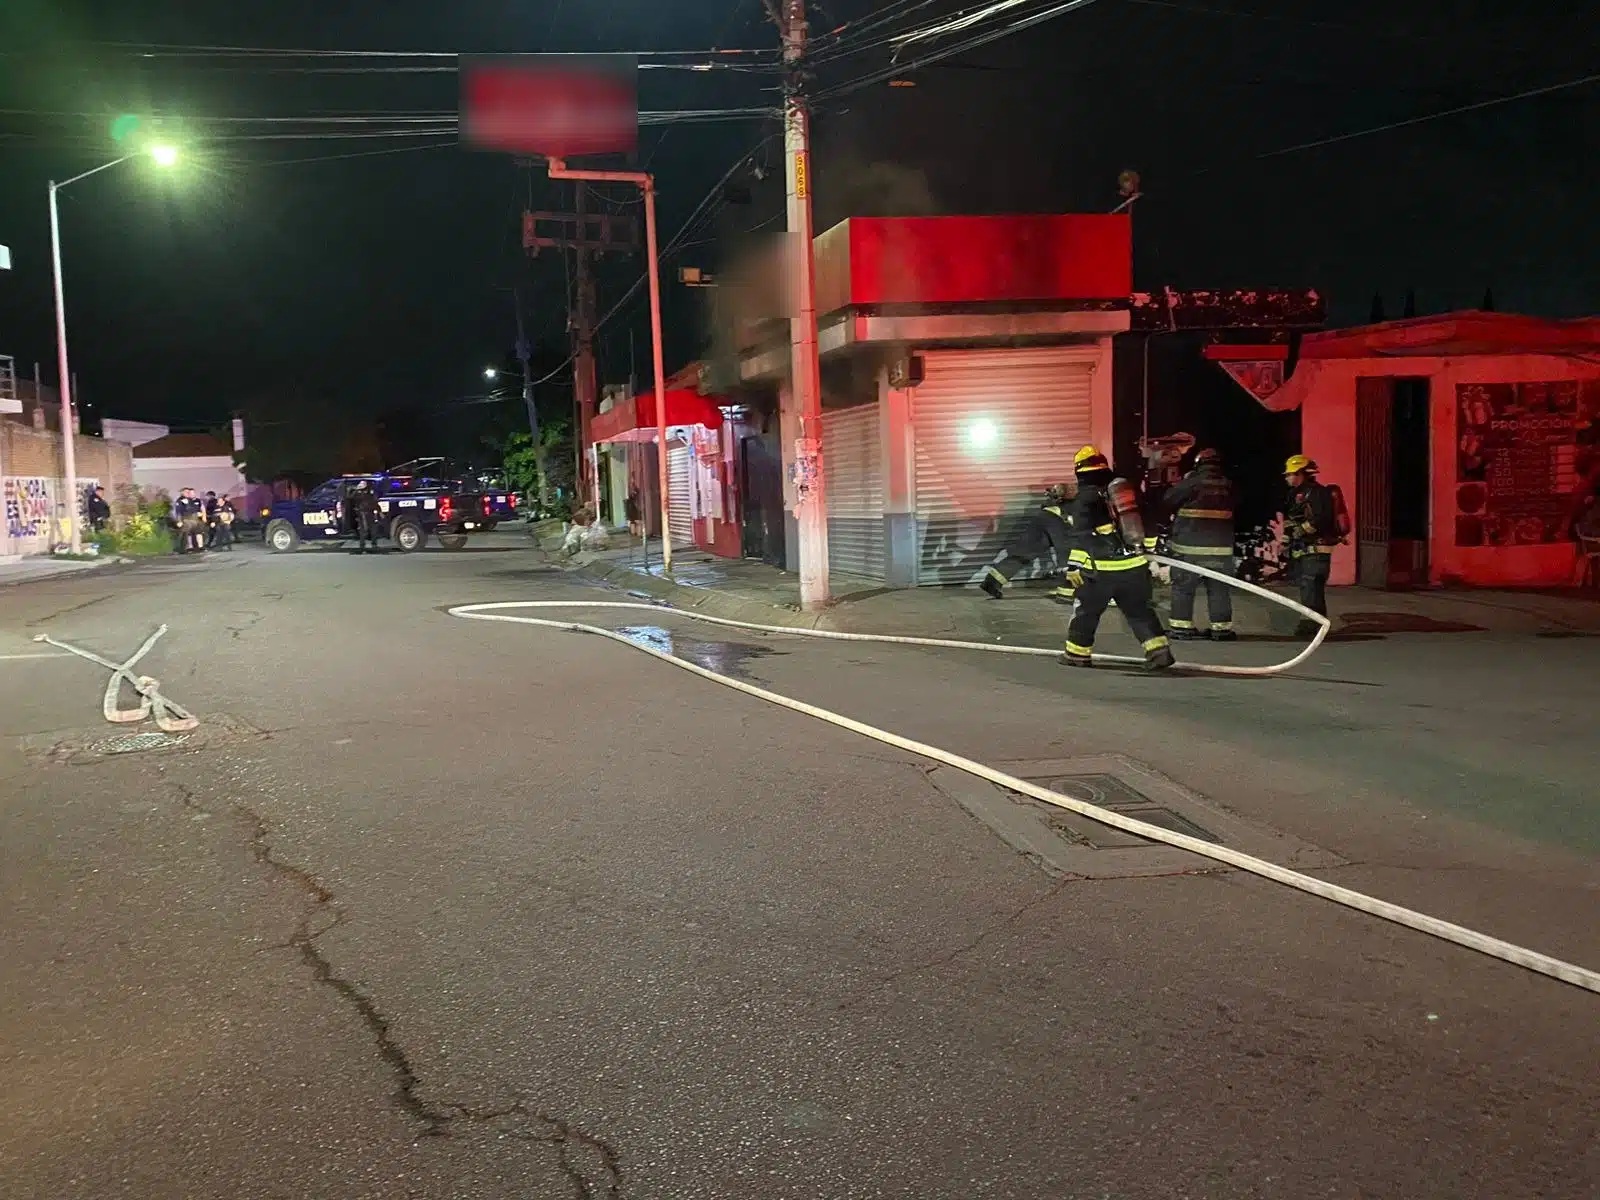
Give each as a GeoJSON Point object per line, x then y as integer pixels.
{"type": "Point", "coordinates": [634, 420]}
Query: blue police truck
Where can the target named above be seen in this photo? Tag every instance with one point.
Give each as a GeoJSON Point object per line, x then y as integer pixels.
{"type": "Point", "coordinates": [412, 509]}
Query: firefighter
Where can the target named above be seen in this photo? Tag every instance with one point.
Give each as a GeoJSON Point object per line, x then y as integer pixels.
{"type": "Point", "coordinates": [364, 511]}
{"type": "Point", "coordinates": [1107, 564]}
{"type": "Point", "coordinates": [1315, 521]}
{"type": "Point", "coordinates": [1202, 533]}
{"type": "Point", "coordinates": [1046, 530]}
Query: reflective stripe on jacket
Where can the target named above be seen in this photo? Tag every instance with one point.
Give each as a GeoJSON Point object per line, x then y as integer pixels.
{"type": "Point", "coordinates": [1096, 544]}
{"type": "Point", "coordinates": [1204, 500]}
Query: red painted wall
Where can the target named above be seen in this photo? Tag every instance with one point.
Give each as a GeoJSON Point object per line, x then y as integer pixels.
{"type": "Point", "coordinates": [974, 260]}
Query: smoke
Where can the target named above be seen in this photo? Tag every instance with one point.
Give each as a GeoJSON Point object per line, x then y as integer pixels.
{"type": "Point", "coordinates": [850, 187]}
{"type": "Point", "coordinates": [752, 286]}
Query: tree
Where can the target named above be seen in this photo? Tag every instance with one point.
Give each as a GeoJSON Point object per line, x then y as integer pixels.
{"type": "Point", "coordinates": [544, 470]}
{"type": "Point", "coordinates": [1488, 300]}
{"type": "Point", "coordinates": [1376, 315]}
{"type": "Point", "coordinates": [1411, 303]}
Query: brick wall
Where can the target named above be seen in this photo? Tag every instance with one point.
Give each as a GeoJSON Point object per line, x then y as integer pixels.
{"type": "Point", "coordinates": [28, 455]}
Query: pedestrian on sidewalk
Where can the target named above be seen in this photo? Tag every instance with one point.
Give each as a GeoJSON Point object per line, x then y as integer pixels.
{"type": "Point", "coordinates": [1107, 564]}
{"type": "Point", "coordinates": [1202, 533]}
{"type": "Point", "coordinates": [1045, 531]}
{"type": "Point", "coordinates": [99, 510]}
{"type": "Point", "coordinates": [634, 511]}
{"type": "Point", "coordinates": [1315, 522]}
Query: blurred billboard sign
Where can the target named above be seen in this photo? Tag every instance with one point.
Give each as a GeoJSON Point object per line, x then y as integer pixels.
{"type": "Point", "coordinates": [554, 105]}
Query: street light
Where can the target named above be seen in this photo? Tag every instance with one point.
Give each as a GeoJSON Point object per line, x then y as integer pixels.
{"type": "Point", "coordinates": [164, 156]}
{"type": "Point", "coordinates": [490, 373]}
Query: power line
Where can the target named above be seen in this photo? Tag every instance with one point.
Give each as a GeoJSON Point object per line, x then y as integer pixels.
{"type": "Point", "coordinates": [971, 43]}
{"type": "Point", "coordinates": [156, 49]}
{"type": "Point", "coordinates": [672, 245]}
{"type": "Point", "coordinates": [289, 162]}
{"type": "Point", "coordinates": [1434, 116]}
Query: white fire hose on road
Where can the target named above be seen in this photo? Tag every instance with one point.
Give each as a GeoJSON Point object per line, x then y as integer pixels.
{"type": "Point", "coordinates": [170, 716]}
{"type": "Point", "coordinates": [1520, 956]}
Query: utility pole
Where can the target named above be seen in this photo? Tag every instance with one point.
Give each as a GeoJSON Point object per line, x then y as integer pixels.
{"type": "Point", "coordinates": [583, 372]}
{"type": "Point", "coordinates": [590, 236]}
{"type": "Point", "coordinates": [811, 505]}
{"type": "Point", "coordinates": [524, 353]}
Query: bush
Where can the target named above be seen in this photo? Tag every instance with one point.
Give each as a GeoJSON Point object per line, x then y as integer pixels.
{"type": "Point", "coordinates": [143, 535]}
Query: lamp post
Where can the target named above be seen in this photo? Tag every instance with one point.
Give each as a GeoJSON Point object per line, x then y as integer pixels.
{"type": "Point", "coordinates": [646, 183]}
{"type": "Point", "coordinates": [164, 156]}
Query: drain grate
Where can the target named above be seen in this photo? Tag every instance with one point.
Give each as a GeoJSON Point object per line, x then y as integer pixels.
{"type": "Point", "coordinates": [1108, 791]}
{"type": "Point", "coordinates": [1065, 844]}
{"type": "Point", "coordinates": [133, 743]}
{"type": "Point", "coordinates": [78, 747]}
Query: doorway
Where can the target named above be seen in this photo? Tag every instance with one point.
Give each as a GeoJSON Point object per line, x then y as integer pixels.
{"type": "Point", "coordinates": [1392, 481]}
{"type": "Point", "coordinates": [761, 499]}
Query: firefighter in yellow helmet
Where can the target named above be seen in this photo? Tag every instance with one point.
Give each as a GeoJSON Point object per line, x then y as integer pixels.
{"type": "Point", "coordinates": [1107, 563]}
{"type": "Point", "coordinates": [1315, 521]}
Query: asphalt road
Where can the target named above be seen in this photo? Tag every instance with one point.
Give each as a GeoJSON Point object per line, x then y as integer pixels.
{"type": "Point", "coordinates": [438, 908]}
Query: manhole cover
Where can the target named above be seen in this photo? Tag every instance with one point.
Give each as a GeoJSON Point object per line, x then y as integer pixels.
{"type": "Point", "coordinates": [77, 747]}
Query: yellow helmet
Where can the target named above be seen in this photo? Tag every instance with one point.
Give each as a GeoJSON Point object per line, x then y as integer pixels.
{"type": "Point", "coordinates": [1089, 459]}
{"type": "Point", "coordinates": [1298, 463]}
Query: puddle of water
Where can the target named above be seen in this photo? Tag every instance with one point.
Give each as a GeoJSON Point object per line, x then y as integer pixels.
{"type": "Point", "coordinates": [725, 658]}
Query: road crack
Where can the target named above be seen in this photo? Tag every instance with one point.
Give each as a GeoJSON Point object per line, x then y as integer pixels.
{"type": "Point", "coordinates": [590, 1163]}
{"type": "Point", "coordinates": [967, 947]}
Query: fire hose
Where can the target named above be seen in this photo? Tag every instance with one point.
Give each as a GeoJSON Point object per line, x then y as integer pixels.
{"type": "Point", "coordinates": [170, 716]}
{"type": "Point", "coordinates": [1459, 935]}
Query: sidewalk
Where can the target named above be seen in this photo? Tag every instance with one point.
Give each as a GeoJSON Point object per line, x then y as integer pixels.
{"type": "Point", "coordinates": [30, 568]}
{"type": "Point", "coordinates": [751, 591]}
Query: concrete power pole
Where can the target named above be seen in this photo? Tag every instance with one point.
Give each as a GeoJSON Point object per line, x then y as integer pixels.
{"type": "Point", "coordinates": [524, 353]}
{"type": "Point", "coordinates": [583, 371]}
{"type": "Point", "coordinates": [811, 505]}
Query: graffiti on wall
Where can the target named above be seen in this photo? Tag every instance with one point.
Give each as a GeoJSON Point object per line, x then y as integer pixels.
{"type": "Point", "coordinates": [29, 506]}
{"type": "Point", "coordinates": [30, 502]}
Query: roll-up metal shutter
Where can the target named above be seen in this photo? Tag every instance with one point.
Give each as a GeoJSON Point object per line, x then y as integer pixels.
{"type": "Point", "coordinates": [680, 514]}
{"type": "Point", "coordinates": [852, 463]}
{"type": "Point", "coordinates": [993, 429]}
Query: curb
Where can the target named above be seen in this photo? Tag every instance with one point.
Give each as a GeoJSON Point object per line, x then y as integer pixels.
{"type": "Point", "coordinates": [61, 570]}
{"type": "Point", "coordinates": [697, 599]}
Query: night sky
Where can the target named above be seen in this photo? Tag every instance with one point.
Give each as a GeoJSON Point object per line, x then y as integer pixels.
{"type": "Point", "coordinates": [349, 288]}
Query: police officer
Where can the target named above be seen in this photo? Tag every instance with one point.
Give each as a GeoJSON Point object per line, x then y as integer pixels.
{"type": "Point", "coordinates": [187, 515]}
{"type": "Point", "coordinates": [1107, 564]}
{"type": "Point", "coordinates": [1202, 533]}
{"type": "Point", "coordinates": [1315, 521]}
{"type": "Point", "coordinates": [1046, 530]}
{"type": "Point", "coordinates": [364, 511]}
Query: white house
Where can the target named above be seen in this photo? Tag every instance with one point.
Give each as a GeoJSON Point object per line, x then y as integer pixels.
{"type": "Point", "coordinates": [164, 461]}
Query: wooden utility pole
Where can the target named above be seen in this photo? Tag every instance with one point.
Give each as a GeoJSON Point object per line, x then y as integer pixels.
{"type": "Point", "coordinates": [589, 235]}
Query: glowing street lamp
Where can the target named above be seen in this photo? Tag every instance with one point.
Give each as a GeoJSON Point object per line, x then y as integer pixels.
{"type": "Point", "coordinates": [164, 156]}
{"type": "Point", "coordinates": [491, 374]}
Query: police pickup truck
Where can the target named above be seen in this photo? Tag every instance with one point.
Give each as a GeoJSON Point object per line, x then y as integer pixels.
{"type": "Point", "coordinates": [412, 508]}
{"type": "Point", "coordinates": [495, 501]}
